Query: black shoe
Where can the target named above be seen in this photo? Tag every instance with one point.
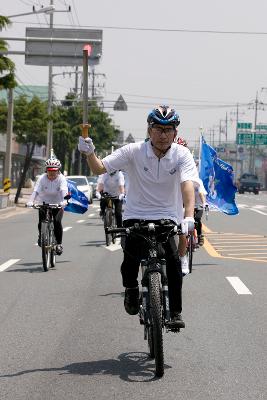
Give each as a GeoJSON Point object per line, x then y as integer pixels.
{"type": "Point", "coordinates": [131, 300]}
{"type": "Point", "coordinates": [176, 321]}
{"type": "Point", "coordinates": [59, 249]}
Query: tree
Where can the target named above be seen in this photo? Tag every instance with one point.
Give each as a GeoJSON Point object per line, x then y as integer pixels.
{"type": "Point", "coordinates": [7, 67]}
{"type": "Point", "coordinates": [67, 120]}
{"type": "Point", "coordinates": [30, 127]}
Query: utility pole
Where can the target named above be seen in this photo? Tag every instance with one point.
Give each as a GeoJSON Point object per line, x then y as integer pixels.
{"type": "Point", "coordinates": [226, 127]}
{"type": "Point", "coordinates": [49, 141]}
{"type": "Point", "coordinates": [8, 156]}
{"type": "Point", "coordinates": [257, 105]}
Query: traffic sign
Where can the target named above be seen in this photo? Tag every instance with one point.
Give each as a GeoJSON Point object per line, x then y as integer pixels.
{"type": "Point", "coordinates": [244, 138]}
{"type": "Point", "coordinates": [260, 139]}
{"type": "Point", "coordinates": [120, 104]}
{"type": "Point", "coordinates": [244, 125]}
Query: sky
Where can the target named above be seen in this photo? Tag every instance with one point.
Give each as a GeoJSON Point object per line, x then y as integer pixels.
{"type": "Point", "coordinates": [200, 57]}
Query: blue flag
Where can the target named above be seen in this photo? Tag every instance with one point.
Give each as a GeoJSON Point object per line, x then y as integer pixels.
{"type": "Point", "coordinates": [217, 177]}
{"type": "Point", "coordinates": [78, 203]}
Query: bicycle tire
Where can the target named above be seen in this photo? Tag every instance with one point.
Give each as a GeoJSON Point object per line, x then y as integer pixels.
{"type": "Point", "coordinates": [190, 253]}
{"type": "Point", "coordinates": [113, 224]}
{"type": "Point", "coordinates": [108, 224]}
{"type": "Point", "coordinates": [150, 342]}
{"type": "Point", "coordinates": [53, 250]}
{"type": "Point", "coordinates": [156, 321]}
{"type": "Point", "coordinates": [44, 245]}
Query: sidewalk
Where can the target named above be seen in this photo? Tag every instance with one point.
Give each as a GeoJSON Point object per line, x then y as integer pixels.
{"type": "Point", "coordinates": [22, 200]}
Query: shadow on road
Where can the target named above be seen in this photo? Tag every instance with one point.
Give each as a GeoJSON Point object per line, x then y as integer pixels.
{"type": "Point", "coordinates": [95, 243]}
{"type": "Point", "coordinates": [130, 367]}
{"type": "Point", "coordinates": [120, 294]}
{"type": "Point", "coordinates": [37, 267]}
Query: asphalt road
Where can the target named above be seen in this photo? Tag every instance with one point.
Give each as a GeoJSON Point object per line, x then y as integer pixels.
{"type": "Point", "coordinates": [65, 334]}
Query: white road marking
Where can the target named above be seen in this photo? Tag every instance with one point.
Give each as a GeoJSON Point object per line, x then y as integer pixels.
{"type": "Point", "coordinates": [8, 263]}
{"type": "Point", "coordinates": [80, 221]}
{"type": "Point", "coordinates": [258, 211]}
{"type": "Point", "coordinates": [67, 228]}
{"type": "Point", "coordinates": [238, 285]}
{"type": "Point", "coordinates": [90, 215]}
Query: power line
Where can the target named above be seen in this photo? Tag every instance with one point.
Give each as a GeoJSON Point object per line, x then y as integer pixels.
{"type": "Point", "coordinates": [167, 30]}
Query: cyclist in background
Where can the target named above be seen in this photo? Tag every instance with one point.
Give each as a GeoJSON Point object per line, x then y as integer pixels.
{"type": "Point", "coordinates": [51, 188]}
{"type": "Point", "coordinates": [160, 180]}
{"type": "Point", "coordinates": [113, 184]}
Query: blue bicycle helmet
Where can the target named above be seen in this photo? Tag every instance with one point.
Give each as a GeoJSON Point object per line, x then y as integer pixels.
{"type": "Point", "coordinates": [163, 115]}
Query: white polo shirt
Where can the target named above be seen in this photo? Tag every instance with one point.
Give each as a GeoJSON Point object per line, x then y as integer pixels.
{"type": "Point", "coordinates": [112, 183]}
{"type": "Point", "coordinates": [48, 191]}
{"type": "Point", "coordinates": [154, 190]}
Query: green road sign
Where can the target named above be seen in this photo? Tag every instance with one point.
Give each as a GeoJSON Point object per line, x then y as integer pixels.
{"type": "Point", "coordinates": [260, 139]}
{"type": "Point", "coordinates": [244, 125]}
{"type": "Point", "coordinates": [244, 138]}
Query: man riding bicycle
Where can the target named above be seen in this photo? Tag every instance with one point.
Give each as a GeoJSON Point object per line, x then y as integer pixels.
{"type": "Point", "coordinates": [160, 180]}
{"type": "Point", "coordinates": [51, 188]}
{"type": "Point", "coordinates": [113, 185]}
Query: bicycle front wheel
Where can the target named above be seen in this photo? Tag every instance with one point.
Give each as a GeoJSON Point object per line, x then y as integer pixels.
{"type": "Point", "coordinates": [108, 224]}
{"type": "Point", "coordinates": [45, 238]}
{"type": "Point", "coordinates": [53, 249]}
{"type": "Point", "coordinates": [190, 252]}
{"type": "Point", "coordinates": [156, 321]}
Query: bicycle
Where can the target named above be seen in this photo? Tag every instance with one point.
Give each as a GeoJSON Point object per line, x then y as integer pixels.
{"type": "Point", "coordinates": [154, 312]}
{"type": "Point", "coordinates": [192, 239]}
{"type": "Point", "coordinates": [109, 216]}
{"type": "Point", "coordinates": [47, 236]}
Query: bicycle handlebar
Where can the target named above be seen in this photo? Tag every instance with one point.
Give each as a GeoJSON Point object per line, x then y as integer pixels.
{"type": "Point", "coordinates": [149, 227]}
{"type": "Point", "coordinates": [45, 205]}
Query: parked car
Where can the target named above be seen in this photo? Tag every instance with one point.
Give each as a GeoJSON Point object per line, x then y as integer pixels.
{"type": "Point", "coordinates": [83, 185]}
{"type": "Point", "coordinates": [248, 183]}
{"type": "Point", "coordinates": [93, 182]}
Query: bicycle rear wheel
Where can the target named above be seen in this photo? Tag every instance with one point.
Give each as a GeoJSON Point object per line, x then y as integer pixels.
{"type": "Point", "coordinates": [45, 239]}
{"type": "Point", "coordinates": [156, 321]}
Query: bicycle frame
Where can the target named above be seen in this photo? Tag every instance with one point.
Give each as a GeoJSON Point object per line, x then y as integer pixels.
{"type": "Point", "coordinates": [154, 311]}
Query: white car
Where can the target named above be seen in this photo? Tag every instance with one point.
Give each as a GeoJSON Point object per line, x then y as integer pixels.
{"type": "Point", "coordinates": [83, 185]}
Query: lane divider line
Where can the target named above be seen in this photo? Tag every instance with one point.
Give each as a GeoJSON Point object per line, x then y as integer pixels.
{"type": "Point", "coordinates": [8, 263]}
{"type": "Point", "coordinates": [238, 285]}
{"type": "Point", "coordinates": [80, 221]}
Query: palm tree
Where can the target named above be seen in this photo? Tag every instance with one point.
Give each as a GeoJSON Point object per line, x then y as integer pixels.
{"type": "Point", "coordinates": [7, 67]}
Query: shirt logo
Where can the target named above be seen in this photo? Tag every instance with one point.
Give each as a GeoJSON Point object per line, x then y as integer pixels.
{"type": "Point", "coordinates": [172, 171]}
{"type": "Point", "coordinates": [145, 169]}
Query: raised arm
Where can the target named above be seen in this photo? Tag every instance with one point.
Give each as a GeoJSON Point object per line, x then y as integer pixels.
{"type": "Point", "coordinates": [85, 146]}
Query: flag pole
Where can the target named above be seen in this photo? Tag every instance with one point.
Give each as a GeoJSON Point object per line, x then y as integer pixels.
{"type": "Point", "coordinates": [200, 147]}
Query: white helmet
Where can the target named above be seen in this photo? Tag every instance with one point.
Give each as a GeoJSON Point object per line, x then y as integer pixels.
{"type": "Point", "coordinates": [52, 164]}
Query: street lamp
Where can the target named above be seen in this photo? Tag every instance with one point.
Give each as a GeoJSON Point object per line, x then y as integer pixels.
{"type": "Point", "coordinates": [46, 10]}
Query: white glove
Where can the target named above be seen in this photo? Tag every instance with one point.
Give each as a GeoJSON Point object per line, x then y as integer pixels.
{"type": "Point", "coordinates": [29, 204]}
{"type": "Point", "coordinates": [121, 196]}
{"type": "Point", "coordinates": [86, 145]}
{"type": "Point", "coordinates": [98, 195]}
{"type": "Point", "coordinates": [187, 225]}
